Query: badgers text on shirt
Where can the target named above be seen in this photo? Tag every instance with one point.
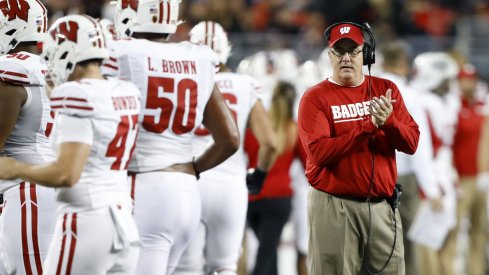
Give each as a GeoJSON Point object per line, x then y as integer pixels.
{"type": "Point", "coordinates": [350, 112]}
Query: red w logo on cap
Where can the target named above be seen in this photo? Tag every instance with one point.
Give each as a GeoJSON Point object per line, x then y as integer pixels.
{"type": "Point", "coordinates": [133, 4]}
{"type": "Point", "coordinates": [18, 9]}
{"type": "Point", "coordinates": [66, 30]}
{"type": "Point", "coordinates": [344, 30]}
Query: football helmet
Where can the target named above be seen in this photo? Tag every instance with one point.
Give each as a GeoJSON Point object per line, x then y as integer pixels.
{"type": "Point", "coordinates": [70, 40]}
{"type": "Point", "coordinates": [324, 63]}
{"type": "Point", "coordinates": [432, 68]}
{"type": "Point", "coordinates": [108, 28]}
{"type": "Point", "coordinates": [151, 16]}
{"type": "Point", "coordinates": [21, 21]}
{"type": "Point", "coordinates": [213, 35]}
{"type": "Point", "coordinates": [285, 64]}
{"type": "Point", "coordinates": [309, 75]}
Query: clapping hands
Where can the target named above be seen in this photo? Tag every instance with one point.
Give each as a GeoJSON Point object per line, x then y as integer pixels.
{"type": "Point", "coordinates": [381, 108]}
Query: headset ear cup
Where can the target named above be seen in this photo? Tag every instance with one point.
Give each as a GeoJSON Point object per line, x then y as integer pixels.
{"type": "Point", "coordinates": [370, 55]}
{"type": "Point", "coordinates": [366, 54]}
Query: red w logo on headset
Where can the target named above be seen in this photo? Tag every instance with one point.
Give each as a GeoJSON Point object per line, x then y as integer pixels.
{"type": "Point", "coordinates": [15, 9]}
{"type": "Point", "coordinates": [133, 4]}
{"type": "Point", "coordinates": [66, 31]}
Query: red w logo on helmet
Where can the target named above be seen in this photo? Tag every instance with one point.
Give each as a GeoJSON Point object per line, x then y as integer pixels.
{"type": "Point", "coordinates": [133, 4]}
{"type": "Point", "coordinates": [66, 30]}
{"type": "Point", "coordinates": [15, 9]}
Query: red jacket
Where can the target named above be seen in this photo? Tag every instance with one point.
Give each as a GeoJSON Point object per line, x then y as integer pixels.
{"type": "Point", "coordinates": [335, 128]}
{"type": "Point", "coordinates": [467, 137]}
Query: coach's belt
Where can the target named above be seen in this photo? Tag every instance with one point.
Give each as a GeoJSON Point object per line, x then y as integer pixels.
{"type": "Point", "coordinates": [358, 199]}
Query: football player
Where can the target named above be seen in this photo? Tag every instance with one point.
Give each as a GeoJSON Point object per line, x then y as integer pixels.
{"type": "Point", "coordinates": [222, 189]}
{"type": "Point", "coordinates": [25, 124]}
{"type": "Point", "coordinates": [95, 133]}
{"type": "Point", "coordinates": [178, 95]}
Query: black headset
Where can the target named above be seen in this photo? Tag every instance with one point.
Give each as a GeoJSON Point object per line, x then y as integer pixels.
{"type": "Point", "coordinates": [368, 40]}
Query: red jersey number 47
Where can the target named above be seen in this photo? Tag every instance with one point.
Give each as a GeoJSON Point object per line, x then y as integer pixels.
{"type": "Point", "coordinates": [118, 145]}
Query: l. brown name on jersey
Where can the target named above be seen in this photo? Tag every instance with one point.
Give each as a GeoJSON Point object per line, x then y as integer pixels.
{"type": "Point", "coordinates": [172, 66]}
{"type": "Point", "coordinates": [124, 103]}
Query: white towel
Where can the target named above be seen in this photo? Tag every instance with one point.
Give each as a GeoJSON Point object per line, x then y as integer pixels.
{"type": "Point", "coordinates": [127, 232]}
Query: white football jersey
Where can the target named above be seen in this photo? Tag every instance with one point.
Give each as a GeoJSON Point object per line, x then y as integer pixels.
{"type": "Point", "coordinates": [28, 141]}
{"type": "Point", "coordinates": [240, 93]}
{"type": "Point", "coordinates": [111, 108]}
{"type": "Point", "coordinates": [176, 81]}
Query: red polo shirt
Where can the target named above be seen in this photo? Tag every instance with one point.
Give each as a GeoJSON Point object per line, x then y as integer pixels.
{"type": "Point", "coordinates": [466, 139]}
{"type": "Point", "coordinates": [335, 128]}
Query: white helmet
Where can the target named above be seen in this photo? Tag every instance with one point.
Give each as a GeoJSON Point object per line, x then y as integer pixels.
{"type": "Point", "coordinates": [256, 65]}
{"type": "Point", "coordinates": [309, 75]}
{"type": "Point", "coordinates": [285, 63]}
{"type": "Point", "coordinates": [72, 39]}
{"type": "Point", "coordinates": [213, 35]}
{"type": "Point", "coordinates": [21, 21]}
{"type": "Point", "coordinates": [108, 28]}
{"type": "Point", "coordinates": [152, 16]}
{"type": "Point", "coordinates": [324, 64]}
{"type": "Point", "coordinates": [432, 68]}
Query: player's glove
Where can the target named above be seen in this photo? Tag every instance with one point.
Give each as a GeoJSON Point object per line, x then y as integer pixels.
{"type": "Point", "coordinates": [254, 180]}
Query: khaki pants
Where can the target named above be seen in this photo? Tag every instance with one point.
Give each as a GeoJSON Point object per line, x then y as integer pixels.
{"type": "Point", "coordinates": [472, 204]}
{"type": "Point", "coordinates": [410, 201]}
{"type": "Point", "coordinates": [338, 232]}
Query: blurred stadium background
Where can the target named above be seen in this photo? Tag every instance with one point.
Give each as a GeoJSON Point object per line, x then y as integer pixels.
{"type": "Point", "coordinates": [457, 26]}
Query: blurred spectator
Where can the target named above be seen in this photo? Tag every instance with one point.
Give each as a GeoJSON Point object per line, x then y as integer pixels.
{"type": "Point", "coordinates": [270, 210]}
{"type": "Point", "coordinates": [434, 72]}
{"type": "Point", "coordinates": [472, 203]}
{"type": "Point", "coordinates": [336, 11]}
{"type": "Point", "coordinates": [60, 8]}
{"type": "Point", "coordinates": [414, 172]}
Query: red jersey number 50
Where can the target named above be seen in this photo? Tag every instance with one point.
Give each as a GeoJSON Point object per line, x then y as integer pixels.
{"type": "Point", "coordinates": [185, 105]}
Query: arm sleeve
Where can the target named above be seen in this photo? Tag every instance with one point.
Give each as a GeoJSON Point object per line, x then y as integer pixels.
{"type": "Point", "coordinates": [20, 72]}
{"type": "Point", "coordinates": [314, 131]}
{"type": "Point", "coordinates": [73, 100]}
{"type": "Point", "coordinates": [74, 129]}
{"type": "Point", "coordinates": [400, 127]}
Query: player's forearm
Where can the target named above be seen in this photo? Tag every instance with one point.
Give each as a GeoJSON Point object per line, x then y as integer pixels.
{"type": "Point", "coordinates": [262, 129]}
{"type": "Point", "coordinates": [215, 155]}
{"type": "Point", "coordinates": [266, 157]}
{"type": "Point", "coordinates": [49, 175]}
